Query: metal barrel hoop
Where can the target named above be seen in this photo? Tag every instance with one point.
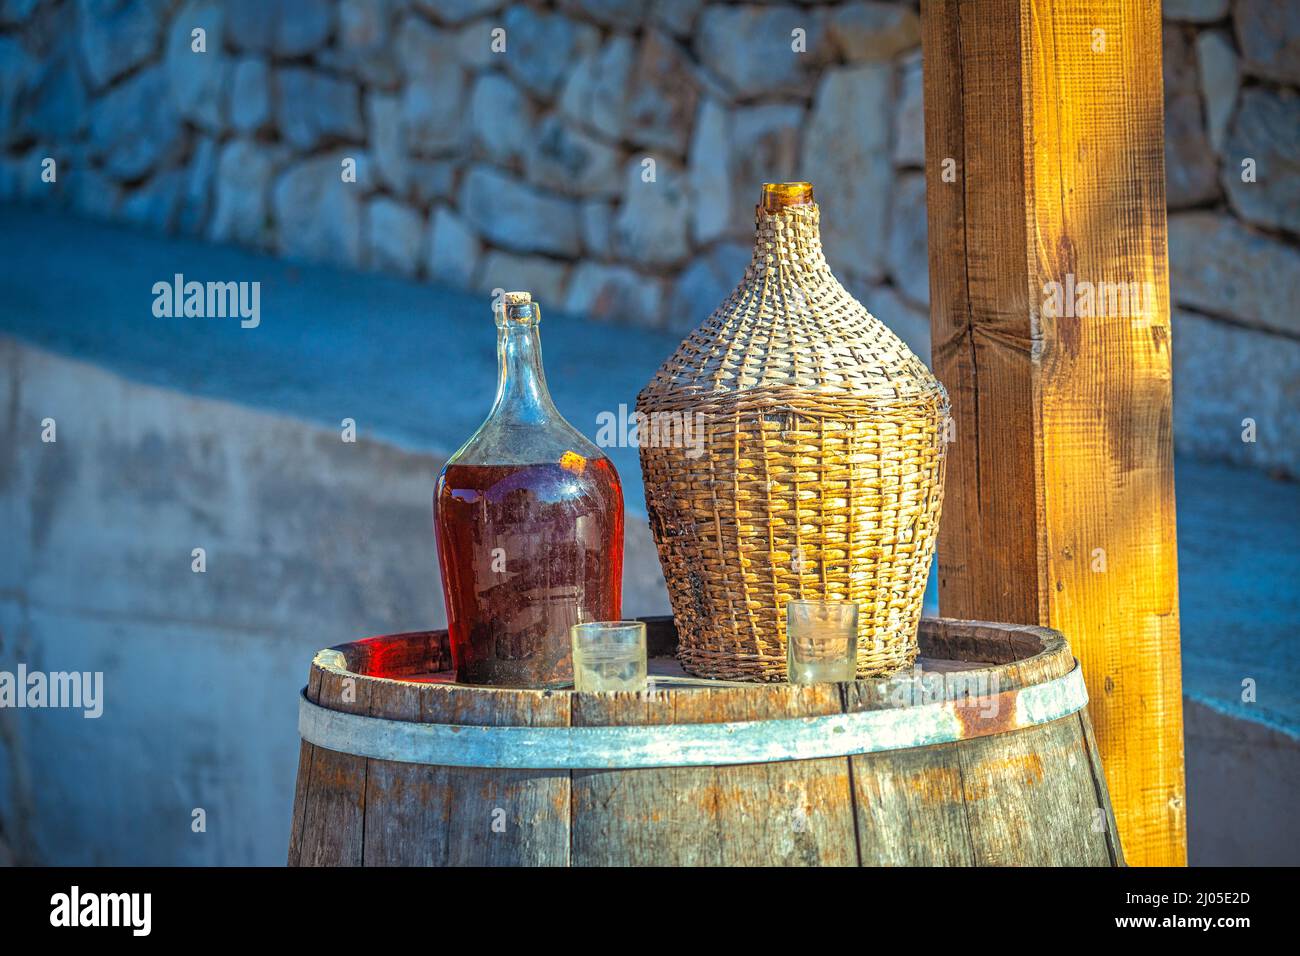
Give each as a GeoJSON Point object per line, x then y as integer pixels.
{"type": "Point", "coordinates": [692, 745]}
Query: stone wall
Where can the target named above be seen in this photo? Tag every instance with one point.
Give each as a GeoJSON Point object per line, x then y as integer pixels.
{"type": "Point", "coordinates": [1232, 167]}
{"type": "Point", "coordinates": [609, 157]}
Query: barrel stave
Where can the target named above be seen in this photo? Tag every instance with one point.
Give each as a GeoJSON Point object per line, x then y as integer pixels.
{"type": "Point", "coordinates": [302, 783]}
{"type": "Point", "coordinates": [334, 812]}
{"type": "Point", "coordinates": [788, 813]}
{"type": "Point", "coordinates": [505, 817]}
{"type": "Point", "coordinates": [1041, 774]}
{"type": "Point", "coordinates": [908, 808]}
{"type": "Point", "coordinates": [408, 806]}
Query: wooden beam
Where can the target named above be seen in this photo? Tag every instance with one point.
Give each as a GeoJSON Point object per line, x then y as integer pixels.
{"type": "Point", "coordinates": [1047, 116]}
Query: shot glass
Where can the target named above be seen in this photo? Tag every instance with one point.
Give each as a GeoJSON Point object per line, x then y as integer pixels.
{"type": "Point", "coordinates": [821, 641]}
{"type": "Point", "coordinates": [608, 655]}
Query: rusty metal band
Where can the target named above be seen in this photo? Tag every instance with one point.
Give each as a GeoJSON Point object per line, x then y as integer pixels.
{"type": "Point", "coordinates": [692, 745]}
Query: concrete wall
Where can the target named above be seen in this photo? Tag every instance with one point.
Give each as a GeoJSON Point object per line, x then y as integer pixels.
{"type": "Point", "coordinates": [200, 669]}
{"type": "Point", "coordinates": [526, 167]}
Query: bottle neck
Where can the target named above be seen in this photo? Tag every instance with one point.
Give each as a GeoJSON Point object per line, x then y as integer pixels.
{"type": "Point", "coordinates": [788, 237]}
{"type": "Point", "coordinates": [522, 395]}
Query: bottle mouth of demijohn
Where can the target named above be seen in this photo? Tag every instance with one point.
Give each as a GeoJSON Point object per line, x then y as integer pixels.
{"type": "Point", "coordinates": [517, 309]}
{"type": "Point", "coordinates": [778, 196]}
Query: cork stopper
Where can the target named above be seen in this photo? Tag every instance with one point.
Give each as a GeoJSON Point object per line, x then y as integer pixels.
{"type": "Point", "coordinates": [518, 308]}
{"type": "Point", "coordinates": [778, 196]}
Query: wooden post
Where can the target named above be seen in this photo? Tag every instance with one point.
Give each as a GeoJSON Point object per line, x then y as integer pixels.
{"type": "Point", "coordinates": [1045, 179]}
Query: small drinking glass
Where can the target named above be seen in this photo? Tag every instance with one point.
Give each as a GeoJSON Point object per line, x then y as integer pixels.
{"type": "Point", "coordinates": [609, 655]}
{"type": "Point", "coordinates": [821, 641]}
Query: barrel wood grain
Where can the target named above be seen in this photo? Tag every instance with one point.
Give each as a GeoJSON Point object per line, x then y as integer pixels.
{"type": "Point", "coordinates": [302, 785]}
{"type": "Point", "coordinates": [750, 815]}
{"type": "Point", "coordinates": [1037, 774]}
{"type": "Point", "coordinates": [1034, 795]}
{"type": "Point", "coordinates": [507, 817]}
{"type": "Point", "coordinates": [909, 808]}
{"type": "Point", "coordinates": [334, 812]}
{"type": "Point", "coordinates": [404, 799]}
{"type": "Point", "coordinates": [1113, 845]}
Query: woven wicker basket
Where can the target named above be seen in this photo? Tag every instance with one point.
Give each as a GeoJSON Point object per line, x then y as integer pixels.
{"type": "Point", "coordinates": [821, 471]}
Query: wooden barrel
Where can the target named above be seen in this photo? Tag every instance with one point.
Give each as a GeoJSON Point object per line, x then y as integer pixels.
{"type": "Point", "coordinates": [984, 755]}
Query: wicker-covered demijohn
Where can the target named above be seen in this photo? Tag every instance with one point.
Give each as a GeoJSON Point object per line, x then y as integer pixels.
{"type": "Point", "coordinates": [792, 447]}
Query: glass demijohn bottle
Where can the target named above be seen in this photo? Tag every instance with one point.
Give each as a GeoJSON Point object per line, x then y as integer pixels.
{"type": "Point", "coordinates": [529, 522]}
